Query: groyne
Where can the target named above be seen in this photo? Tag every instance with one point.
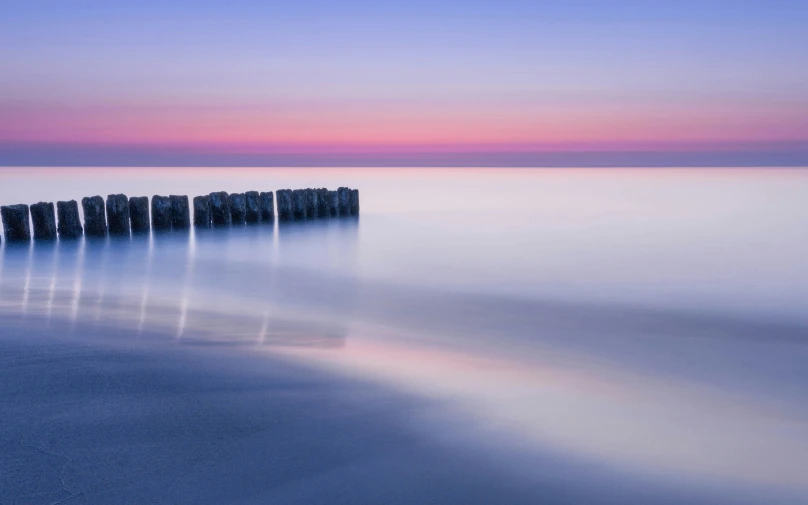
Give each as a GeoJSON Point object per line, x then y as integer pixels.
{"type": "Point", "coordinates": [121, 215]}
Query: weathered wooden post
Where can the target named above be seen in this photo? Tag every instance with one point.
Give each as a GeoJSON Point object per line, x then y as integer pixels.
{"type": "Point", "coordinates": [161, 212]}
{"type": "Point", "coordinates": [238, 208]}
{"type": "Point", "coordinates": [354, 202]}
{"type": "Point", "coordinates": [344, 195]}
{"type": "Point", "coordinates": [253, 200]}
{"type": "Point", "coordinates": [311, 203]}
{"type": "Point", "coordinates": [43, 217]}
{"type": "Point", "coordinates": [118, 214]}
{"type": "Point", "coordinates": [219, 209]}
{"type": "Point", "coordinates": [69, 223]}
{"type": "Point", "coordinates": [202, 211]}
{"type": "Point", "coordinates": [299, 204]}
{"type": "Point", "coordinates": [284, 205]}
{"type": "Point", "coordinates": [180, 213]}
{"type": "Point", "coordinates": [15, 222]}
{"type": "Point", "coordinates": [95, 217]}
{"type": "Point", "coordinates": [322, 202]}
{"type": "Point", "coordinates": [139, 214]}
{"type": "Point", "coordinates": [333, 204]}
{"type": "Point", "coordinates": [267, 207]}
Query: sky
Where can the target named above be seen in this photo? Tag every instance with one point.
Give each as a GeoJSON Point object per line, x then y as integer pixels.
{"type": "Point", "coordinates": [421, 82]}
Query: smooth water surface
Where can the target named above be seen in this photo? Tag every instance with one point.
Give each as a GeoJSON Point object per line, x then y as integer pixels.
{"type": "Point", "coordinates": [577, 336]}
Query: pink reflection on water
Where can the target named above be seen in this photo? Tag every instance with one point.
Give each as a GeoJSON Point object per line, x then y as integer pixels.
{"type": "Point", "coordinates": [650, 424]}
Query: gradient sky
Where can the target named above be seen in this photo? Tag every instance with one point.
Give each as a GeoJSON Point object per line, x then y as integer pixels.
{"type": "Point", "coordinates": [514, 82]}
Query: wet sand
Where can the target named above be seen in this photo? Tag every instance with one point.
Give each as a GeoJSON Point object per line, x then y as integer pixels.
{"type": "Point", "coordinates": [106, 416]}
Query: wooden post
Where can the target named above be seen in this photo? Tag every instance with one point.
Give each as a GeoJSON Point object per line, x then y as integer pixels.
{"type": "Point", "coordinates": [202, 211]}
{"type": "Point", "coordinates": [311, 203]}
{"type": "Point", "coordinates": [180, 213]}
{"type": "Point", "coordinates": [253, 202]}
{"type": "Point", "coordinates": [161, 212]}
{"type": "Point", "coordinates": [118, 214]}
{"type": "Point", "coordinates": [238, 208]}
{"type": "Point", "coordinates": [344, 195]}
{"type": "Point", "coordinates": [219, 209]}
{"type": "Point", "coordinates": [285, 205]}
{"type": "Point", "coordinates": [322, 203]}
{"type": "Point", "coordinates": [354, 202]}
{"type": "Point", "coordinates": [267, 207]}
{"type": "Point", "coordinates": [16, 223]}
{"type": "Point", "coordinates": [69, 223]}
{"type": "Point", "coordinates": [43, 216]}
{"type": "Point", "coordinates": [299, 204]}
{"type": "Point", "coordinates": [139, 214]}
{"type": "Point", "coordinates": [95, 217]}
{"type": "Point", "coordinates": [333, 204]}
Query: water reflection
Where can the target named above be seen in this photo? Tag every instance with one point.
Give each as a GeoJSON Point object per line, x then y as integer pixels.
{"type": "Point", "coordinates": [689, 398]}
{"type": "Point", "coordinates": [197, 285]}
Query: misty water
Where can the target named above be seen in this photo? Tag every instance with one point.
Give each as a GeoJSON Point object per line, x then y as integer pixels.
{"type": "Point", "coordinates": [475, 336]}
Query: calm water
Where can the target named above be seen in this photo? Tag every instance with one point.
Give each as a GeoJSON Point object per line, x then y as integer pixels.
{"type": "Point", "coordinates": [583, 335]}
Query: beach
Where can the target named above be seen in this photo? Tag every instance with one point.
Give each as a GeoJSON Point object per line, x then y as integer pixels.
{"type": "Point", "coordinates": [567, 342]}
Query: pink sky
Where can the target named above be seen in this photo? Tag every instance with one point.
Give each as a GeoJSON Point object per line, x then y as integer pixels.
{"type": "Point", "coordinates": [369, 127]}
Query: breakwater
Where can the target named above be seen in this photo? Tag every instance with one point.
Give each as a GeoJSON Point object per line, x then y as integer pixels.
{"type": "Point", "coordinates": [121, 215]}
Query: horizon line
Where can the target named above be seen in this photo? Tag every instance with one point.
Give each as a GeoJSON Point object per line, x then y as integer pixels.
{"type": "Point", "coordinates": [53, 154]}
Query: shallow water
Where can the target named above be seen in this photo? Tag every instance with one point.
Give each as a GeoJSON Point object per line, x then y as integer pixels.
{"type": "Point", "coordinates": [630, 332]}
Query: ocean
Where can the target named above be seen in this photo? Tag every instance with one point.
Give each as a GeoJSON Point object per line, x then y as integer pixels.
{"type": "Point", "coordinates": [481, 336]}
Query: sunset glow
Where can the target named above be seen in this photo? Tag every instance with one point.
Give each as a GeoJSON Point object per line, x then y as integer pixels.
{"type": "Point", "coordinates": [187, 78]}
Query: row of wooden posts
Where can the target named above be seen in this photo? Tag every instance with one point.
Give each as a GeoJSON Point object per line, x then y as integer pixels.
{"type": "Point", "coordinates": [119, 215]}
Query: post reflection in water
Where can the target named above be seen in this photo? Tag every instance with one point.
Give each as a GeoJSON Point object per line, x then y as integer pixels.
{"type": "Point", "coordinates": [142, 244]}
{"type": "Point", "coordinates": [72, 253]}
{"type": "Point", "coordinates": [203, 285]}
{"type": "Point", "coordinates": [52, 282]}
{"type": "Point", "coordinates": [26, 290]}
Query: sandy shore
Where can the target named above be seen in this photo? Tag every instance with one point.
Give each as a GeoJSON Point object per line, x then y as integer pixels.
{"type": "Point", "coordinates": [91, 423]}
{"type": "Point", "coordinates": [108, 418]}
